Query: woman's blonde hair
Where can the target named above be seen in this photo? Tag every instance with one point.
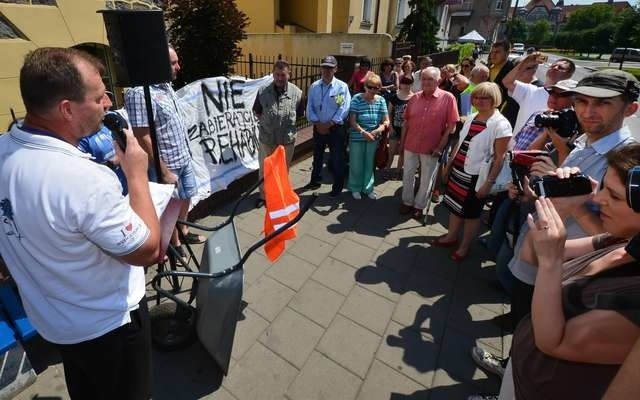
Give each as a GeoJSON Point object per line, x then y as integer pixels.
{"type": "Point", "coordinates": [488, 89]}
{"type": "Point", "coordinates": [373, 80]}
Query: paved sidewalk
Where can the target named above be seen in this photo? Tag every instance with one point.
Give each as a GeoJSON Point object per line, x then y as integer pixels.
{"type": "Point", "coordinates": [358, 307]}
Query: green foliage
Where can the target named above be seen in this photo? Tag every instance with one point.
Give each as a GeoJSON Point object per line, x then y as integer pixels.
{"type": "Point", "coordinates": [517, 30]}
{"type": "Point", "coordinates": [539, 32]}
{"type": "Point", "coordinates": [205, 34]}
{"type": "Point", "coordinates": [464, 50]}
{"type": "Point", "coordinates": [421, 26]}
{"type": "Point", "coordinates": [628, 32]}
{"type": "Point", "coordinates": [589, 17]}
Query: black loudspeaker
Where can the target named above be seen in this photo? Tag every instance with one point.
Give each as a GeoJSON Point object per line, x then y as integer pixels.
{"type": "Point", "coordinates": [139, 44]}
{"type": "Point", "coordinates": [633, 188]}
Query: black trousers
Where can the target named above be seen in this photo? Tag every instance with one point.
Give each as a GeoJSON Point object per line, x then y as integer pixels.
{"type": "Point", "coordinates": [116, 365]}
{"type": "Point", "coordinates": [521, 297]}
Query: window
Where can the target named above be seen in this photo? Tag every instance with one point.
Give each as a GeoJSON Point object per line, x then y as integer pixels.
{"type": "Point", "coordinates": [499, 4]}
{"type": "Point", "coordinates": [32, 2]}
{"type": "Point", "coordinates": [366, 10]}
{"type": "Point", "coordinates": [403, 11]}
{"type": "Point", "coordinates": [8, 31]}
{"type": "Point", "coordinates": [133, 4]}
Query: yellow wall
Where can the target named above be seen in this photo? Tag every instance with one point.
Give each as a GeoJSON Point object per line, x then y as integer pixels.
{"type": "Point", "coordinates": [340, 16]}
{"type": "Point", "coordinates": [303, 13]}
{"type": "Point", "coordinates": [262, 14]}
{"type": "Point", "coordinates": [70, 23]}
{"type": "Point", "coordinates": [315, 45]}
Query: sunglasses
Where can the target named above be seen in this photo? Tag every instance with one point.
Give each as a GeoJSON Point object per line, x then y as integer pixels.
{"type": "Point", "coordinates": [373, 87]}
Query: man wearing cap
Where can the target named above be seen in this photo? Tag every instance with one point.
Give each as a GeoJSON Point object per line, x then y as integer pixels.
{"type": "Point", "coordinates": [327, 109]}
{"type": "Point", "coordinates": [602, 100]}
{"type": "Point", "coordinates": [532, 98]}
{"type": "Point", "coordinates": [278, 106]}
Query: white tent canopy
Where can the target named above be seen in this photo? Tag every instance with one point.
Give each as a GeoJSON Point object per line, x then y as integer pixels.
{"type": "Point", "coordinates": [472, 37]}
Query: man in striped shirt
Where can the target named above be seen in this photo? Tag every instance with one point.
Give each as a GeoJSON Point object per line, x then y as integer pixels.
{"type": "Point", "coordinates": [171, 135]}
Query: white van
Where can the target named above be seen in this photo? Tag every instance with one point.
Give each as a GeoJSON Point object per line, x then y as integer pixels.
{"type": "Point", "coordinates": [518, 48]}
{"type": "Point", "coordinates": [631, 55]}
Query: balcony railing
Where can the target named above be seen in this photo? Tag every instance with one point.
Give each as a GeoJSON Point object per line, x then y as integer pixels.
{"type": "Point", "coordinates": [465, 6]}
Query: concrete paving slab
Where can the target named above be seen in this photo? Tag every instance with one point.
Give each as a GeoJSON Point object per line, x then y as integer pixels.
{"type": "Point", "coordinates": [310, 249]}
{"type": "Point", "coordinates": [291, 271]}
{"type": "Point", "coordinates": [268, 297]}
{"type": "Point", "coordinates": [350, 345]}
{"type": "Point", "coordinates": [384, 383]}
{"type": "Point", "coordinates": [317, 302]}
{"type": "Point", "coordinates": [321, 378]}
{"type": "Point", "coordinates": [352, 253]}
{"type": "Point", "coordinates": [336, 275]}
{"type": "Point", "coordinates": [260, 375]}
{"type": "Point", "coordinates": [292, 336]}
{"type": "Point", "coordinates": [410, 352]}
{"type": "Point", "coordinates": [368, 309]}
{"type": "Point", "coordinates": [250, 327]}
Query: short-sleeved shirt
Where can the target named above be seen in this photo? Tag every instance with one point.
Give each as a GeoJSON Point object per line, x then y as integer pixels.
{"type": "Point", "coordinates": [426, 118]}
{"type": "Point", "coordinates": [64, 223]}
{"type": "Point", "coordinates": [328, 101]}
{"type": "Point", "coordinates": [592, 161]}
{"type": "Point", "coordinates": [531, 99]}
{"type": "Point", "coordinates": [368, 115]}
{"type": "Point", "coordinates": [171, 129]}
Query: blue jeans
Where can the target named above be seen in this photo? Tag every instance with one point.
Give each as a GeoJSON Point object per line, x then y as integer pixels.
{"type": "Point", "coordinates": [186, 186]}
{"type": "Point", "coordinates": [335, 140]}
{"type": "Point", "coordinates": [497, 243]}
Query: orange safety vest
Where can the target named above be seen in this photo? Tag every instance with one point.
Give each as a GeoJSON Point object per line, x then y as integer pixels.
{"type": "Point", "coordinates": [282, 203]}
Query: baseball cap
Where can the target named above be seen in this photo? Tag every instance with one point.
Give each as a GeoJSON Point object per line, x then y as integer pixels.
{"type": "Point", "coordinates": [329, 61]}
{"type": "Point", "coordinates": [564, 85]}
{"type": "Point", "coordinates": [608, 83]}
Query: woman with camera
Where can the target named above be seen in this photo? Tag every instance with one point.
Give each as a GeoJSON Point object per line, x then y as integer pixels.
{"type": "Point", "coordinates": [569, 346]}
{"type": "Point", "coordinates": [482, 146]}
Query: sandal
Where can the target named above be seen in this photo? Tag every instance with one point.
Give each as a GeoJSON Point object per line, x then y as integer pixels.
{"type": "Point", "coordinates": [457, 257]}
{"type": "Point", "coordinates": [192, 238]}
{"type": "Point", "coordinates": [438, 242]}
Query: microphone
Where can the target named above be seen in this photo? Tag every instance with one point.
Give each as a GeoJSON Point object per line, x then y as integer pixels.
{"type": "Point", "coordinates": [116, 124]}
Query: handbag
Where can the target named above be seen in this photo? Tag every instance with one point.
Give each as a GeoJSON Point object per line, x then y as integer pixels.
{"type": "Point", "coordinates": [382, 151]}
{"type": "Point", "coordinates": [502, 180]}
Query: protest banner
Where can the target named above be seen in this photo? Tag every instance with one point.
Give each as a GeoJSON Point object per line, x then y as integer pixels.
{"type": "Point", "coordinates": [223, 130]}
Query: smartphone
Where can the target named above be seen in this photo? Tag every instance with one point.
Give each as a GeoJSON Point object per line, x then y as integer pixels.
{"type": "Point", "coordinates": [542, 58]}
{"type": "Point", "coordinates": [526, 158]}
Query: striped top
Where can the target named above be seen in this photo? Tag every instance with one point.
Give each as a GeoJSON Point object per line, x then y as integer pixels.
{"type": "Point", "coordinates": [171, 127]}
{"type": "Point", "coordinates": [368, 115]}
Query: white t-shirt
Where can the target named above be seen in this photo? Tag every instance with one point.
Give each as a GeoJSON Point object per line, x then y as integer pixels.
{"type": "Point", "coordinates": [64, 221]}
{"type": "Point", "coordinates": [417, 82]}
{"type": "Point", "coordinates": [531, 99]}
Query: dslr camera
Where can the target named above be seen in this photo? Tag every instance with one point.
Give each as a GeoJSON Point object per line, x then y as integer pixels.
{"type": "Point", "coordinates": [552, 186]}
{"type": "Point", "coordinates": [564, 122]}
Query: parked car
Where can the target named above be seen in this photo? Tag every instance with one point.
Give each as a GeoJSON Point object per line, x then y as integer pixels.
{"type": "Point", "coordinates": [631, 55]}
{"type": "Point", "coordinates": [518, 48]}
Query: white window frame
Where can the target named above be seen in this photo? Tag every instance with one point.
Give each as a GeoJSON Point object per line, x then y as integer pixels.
{"type": "Point", "coordinates": [499, 4]}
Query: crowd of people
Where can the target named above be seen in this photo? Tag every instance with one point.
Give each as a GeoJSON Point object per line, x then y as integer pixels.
{"type": "Point", "coordinates": [491, 136]}
{"type": "Point", "coordinates": [491, 131]}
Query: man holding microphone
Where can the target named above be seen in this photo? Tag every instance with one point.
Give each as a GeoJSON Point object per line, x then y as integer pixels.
{"type": "Point", "coordinates": [71, 241]}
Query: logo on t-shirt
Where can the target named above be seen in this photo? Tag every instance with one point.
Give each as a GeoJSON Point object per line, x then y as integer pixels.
{"type": "Point", "coordinates": [8, 224]}
{"type": "Point", "coordinates": [127, 229]}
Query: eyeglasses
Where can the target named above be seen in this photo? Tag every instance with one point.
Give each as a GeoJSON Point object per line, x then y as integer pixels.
{"type": "Point", "coordinates": [373, 87]}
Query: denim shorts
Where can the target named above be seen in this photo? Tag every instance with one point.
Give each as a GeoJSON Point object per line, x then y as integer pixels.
{"type": "Point", "coordinates": [186, 185]}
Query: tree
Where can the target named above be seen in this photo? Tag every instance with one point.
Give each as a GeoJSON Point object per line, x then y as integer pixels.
{"type": "Point", "coordinates": [539, 32]}
{"type": "Point", "coordinates": [421, 26]}
{"type": "Point", "coordinates": [517, 30]}
{"type": "Point", "coordinates": [205, 34]}
{"type": "Point", "coordinates": [628, 32]}
{"type": "Point", "coordinates": [590, 17]}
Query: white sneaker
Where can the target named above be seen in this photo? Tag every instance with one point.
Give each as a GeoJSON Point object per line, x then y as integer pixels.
{"type": "Point", "coordinates": [356, 195]}
{"type": "Point", "coordinates": [488, 361]}
{"type": "Point", "coordinates": [372, 195]}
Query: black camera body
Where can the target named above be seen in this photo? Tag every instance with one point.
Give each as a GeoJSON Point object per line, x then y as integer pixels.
{"type": "Point", "coordinates": [564, 122]}
{"type": "Point", "coordinates": [552, 186]}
